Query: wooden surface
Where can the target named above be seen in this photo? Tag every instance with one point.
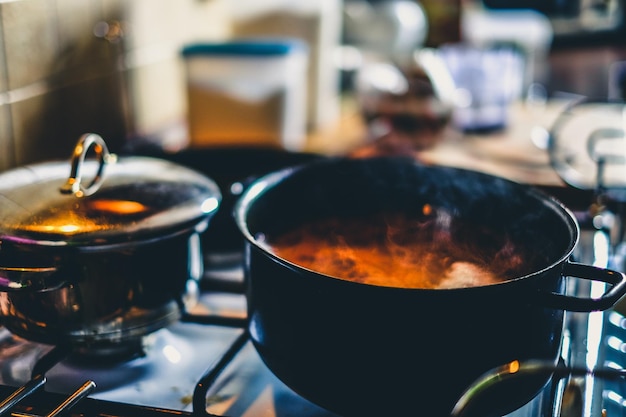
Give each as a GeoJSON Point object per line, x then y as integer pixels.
{"type": "Point", "coordinates": [509, 153]}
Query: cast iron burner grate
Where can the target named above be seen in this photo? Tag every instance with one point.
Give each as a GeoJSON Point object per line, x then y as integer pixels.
{"type": "Point", "coordinates": [44, 403]}
{"type": "Point", "coordinates": [31, 400]}
{"type": "Point", "coordinates": [41, 403]}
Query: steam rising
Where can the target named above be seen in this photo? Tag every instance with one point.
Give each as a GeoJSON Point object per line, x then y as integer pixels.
{"type": "Point", "coordinates": [393, 222]}
{"type": "Point", "coordinates": [431, 249]}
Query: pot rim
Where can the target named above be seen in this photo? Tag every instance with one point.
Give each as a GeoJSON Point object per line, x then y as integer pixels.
{"type": "Point", "coordinates": [268, 181]}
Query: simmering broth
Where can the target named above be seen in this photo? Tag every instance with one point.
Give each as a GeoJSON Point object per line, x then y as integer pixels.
{"type": "Point", "coordinates": [432, 249]}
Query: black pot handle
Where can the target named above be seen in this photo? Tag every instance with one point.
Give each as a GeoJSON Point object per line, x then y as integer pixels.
{"type": "Point", "coordinates": [616, 290]}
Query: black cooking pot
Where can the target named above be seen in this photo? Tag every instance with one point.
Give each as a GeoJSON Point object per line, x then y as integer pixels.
{"type": "Point", "coordinates": [362, 350]}
{"type": "Point", "coordinates": [103, 250]}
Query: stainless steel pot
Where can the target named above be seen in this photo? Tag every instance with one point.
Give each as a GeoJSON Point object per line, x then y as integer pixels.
{"type": "Point", "coordinates": [101, 260]}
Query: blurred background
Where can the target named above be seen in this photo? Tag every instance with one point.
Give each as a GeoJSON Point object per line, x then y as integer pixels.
{"type": "Point", "coordinates": [115, 67]}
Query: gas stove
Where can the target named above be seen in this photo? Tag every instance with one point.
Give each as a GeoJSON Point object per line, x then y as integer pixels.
{"type": "Point", "coordinates": [201, 365]}
{"type": "Point", "coordinates": [204, 364]}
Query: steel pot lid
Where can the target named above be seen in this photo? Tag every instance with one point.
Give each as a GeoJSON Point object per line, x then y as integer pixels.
{"type": "Point", "coordinates": [101, 201]}
{"type": "Point", "coordinates": [587, 146]}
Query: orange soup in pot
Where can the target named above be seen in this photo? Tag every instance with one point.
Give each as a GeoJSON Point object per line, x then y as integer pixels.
{"type": "Point", "coordinates": [431, 250]}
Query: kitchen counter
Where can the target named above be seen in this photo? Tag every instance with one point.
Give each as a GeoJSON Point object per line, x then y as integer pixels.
{"type": "Point", "coordinates": [509, 153]}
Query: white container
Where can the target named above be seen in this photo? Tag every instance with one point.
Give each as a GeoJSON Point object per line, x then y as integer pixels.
{"type": "Point", "coordinates": [318, 23]}
{"type": "Point", "coordinates": [247, 92]}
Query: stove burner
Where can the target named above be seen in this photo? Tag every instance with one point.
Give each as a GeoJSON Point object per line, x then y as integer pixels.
{"type": "Point", "coordinates": [110, 354]}
{"type": "Point", "coordinates": [164, 374]}
{"type": "Point", "coordinates": [107, 335]}
{"type": "Point", "coordinates": [204, 365]}
{"type": "Point", "coordinates": [37, 383]}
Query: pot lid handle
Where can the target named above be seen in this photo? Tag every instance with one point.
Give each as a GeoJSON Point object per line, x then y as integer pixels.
{"type": "Point", "coordinates": [74, 182]}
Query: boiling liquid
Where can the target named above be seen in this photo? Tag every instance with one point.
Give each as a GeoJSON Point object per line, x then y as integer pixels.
{"type": "Point", "coordinates": [400, 250]}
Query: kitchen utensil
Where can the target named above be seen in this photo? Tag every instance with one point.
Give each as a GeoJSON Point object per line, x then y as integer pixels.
{"type": "Point", "coordinates": [361, 349]}
{"type": "Point", "coordinates": [515, 370]}
{"type": "Point", "coordinates": [487, 80]}
{"type": "Point", "coordinates": [587, 146]}
{"type": "Point", "coordinates": [261, 79]}
{"type": "Point", "coordinates": [105, 260]}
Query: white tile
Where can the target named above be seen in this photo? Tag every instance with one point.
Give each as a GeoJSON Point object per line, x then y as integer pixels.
{"type": "Point", "coordinates": [204, 21]}
{"type": "Point", "coordinates": [158, 96]}
{"type": "Point", "coordinates": [3, 62]}
{"type": "Point", "coordinates": [29, 130]}
{"type": "Point", "coordinates": [152, 22]}
{"type": "Point", "coordinates": [30, 40]}
{"type": "Point", "coordinates": [47, 126]}
{"type": "Point", "coordinates": [112, 9]}
{"type": "Point", "coordinates": [76, 21]}
{"type": "Point", "coordinates": [7, 153]}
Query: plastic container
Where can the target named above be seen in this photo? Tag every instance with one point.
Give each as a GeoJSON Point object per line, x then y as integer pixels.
{"type": "Point", "coordinates": [318, 24]}
{"type": "Point", "coordinates": [247, 92]}
{"type": "Point", "coordinates": [487, 80]}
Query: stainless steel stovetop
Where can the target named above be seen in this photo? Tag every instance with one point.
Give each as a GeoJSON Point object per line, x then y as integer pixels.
{"type": "Point", "coordinates": [205, 365]}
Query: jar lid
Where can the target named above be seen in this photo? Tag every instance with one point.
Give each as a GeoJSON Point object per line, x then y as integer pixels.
{"type": "Point", "coordinates": [243, 47]}
{"type": "Point", "coordinates": [127, 199]}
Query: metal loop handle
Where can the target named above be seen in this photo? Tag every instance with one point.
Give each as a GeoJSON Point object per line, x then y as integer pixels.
{"type": "Point", "coordinates": [605, 134]}
{"type": "Point", "coordinates": [74, 182]}
{"type": "Point", "coordinates": [517, 369]}
{"type": "Point", "coordinates": [616, 290]}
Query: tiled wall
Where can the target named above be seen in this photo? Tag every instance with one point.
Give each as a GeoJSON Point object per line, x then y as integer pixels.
{"type": "Point", "coordinates": [112, 67]}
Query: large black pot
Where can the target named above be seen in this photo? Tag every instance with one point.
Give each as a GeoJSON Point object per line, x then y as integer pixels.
{"type": "Point", "coordinates": [363, 350]}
